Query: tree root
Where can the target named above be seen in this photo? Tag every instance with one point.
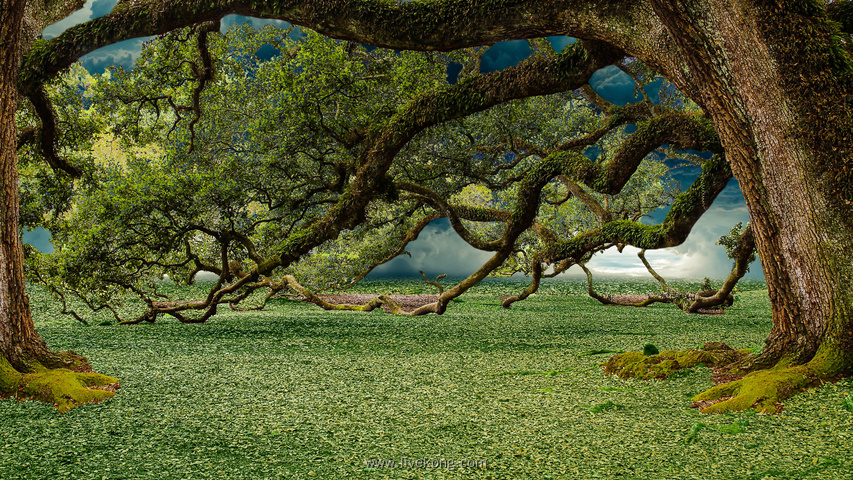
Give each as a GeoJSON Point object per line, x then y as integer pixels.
{"type": "Point", "coordinates": [61, 387]}
{"type": "Point", "coordinates": [765, 390]}
{"type": "Point", "coordinates": [762, 391]}
{"type": "Point", "coordinates": [737, 389]}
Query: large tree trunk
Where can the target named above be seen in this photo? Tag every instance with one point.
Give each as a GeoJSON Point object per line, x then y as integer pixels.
{"type": "Point", "coordinates": [772, 81]}
{"type": "Point", "coordinates": [18, 338]}
{"type": "Point", "coordinates": [27, 367]}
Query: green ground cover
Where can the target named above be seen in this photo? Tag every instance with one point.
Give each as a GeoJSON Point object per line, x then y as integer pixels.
{"type": "Point", "coordinates": [295, 392]}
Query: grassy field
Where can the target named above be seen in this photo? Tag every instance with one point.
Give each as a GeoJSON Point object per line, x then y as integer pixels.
{"type": "Point", "coordinates": [480, 392]}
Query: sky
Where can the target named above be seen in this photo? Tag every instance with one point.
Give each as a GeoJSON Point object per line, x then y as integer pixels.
{"type": "Point", "coordinates": [438, 249]}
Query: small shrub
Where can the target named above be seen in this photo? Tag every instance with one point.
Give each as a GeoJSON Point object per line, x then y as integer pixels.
{"type": "Point", "coordinates": [848, 403]}
{"type": "Point", "coordinates": [649, 349]}
{"type": "Point", "coordinates": [603, 407]}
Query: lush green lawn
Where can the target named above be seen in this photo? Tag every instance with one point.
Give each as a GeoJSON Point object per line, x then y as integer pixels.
{"type": "Point", "coordinates": [295, 392]}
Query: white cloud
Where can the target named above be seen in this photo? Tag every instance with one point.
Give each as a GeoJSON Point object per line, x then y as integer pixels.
{"type": "Point", "coordinates": [699, 256]}
{"type": "Point", "coordinates": [79, 16]}
{"type": "Point", "coordinates": [256, 23]}
{"type": "Point", "coordinates": [123, 53]}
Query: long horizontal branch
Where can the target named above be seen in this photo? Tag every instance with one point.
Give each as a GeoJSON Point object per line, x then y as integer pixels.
{"type": "Point", "coordinates": [536, 76]}
{"type": "Point", "coordinates": [682, 130]}
{"type": "Point", "coordinates": [684, 213]}
{"type": "Point", "coordinates": [418, 25]}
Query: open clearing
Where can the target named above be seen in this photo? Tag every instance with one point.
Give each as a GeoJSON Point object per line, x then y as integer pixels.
{"type": "Point", "coordinates": [296, 392]}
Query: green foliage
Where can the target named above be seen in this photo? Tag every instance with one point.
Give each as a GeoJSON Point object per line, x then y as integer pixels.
{"type": "Point", "coordinates": [46, 195]}
{"type": "Point", "coordinates": [606, 406]}
{"type": "Point", "coordinates": [237, 181]}
{"type": "Point", "coordinates": [291, 390]}
{"type": "Point", "coordinates": [649, 349]}
{"type": "Point", "coordinates": [731, 241]}
{"type": "Point", "coordinates": [273, 149]}
{"type": "Point", "coordinates": [848, 403]}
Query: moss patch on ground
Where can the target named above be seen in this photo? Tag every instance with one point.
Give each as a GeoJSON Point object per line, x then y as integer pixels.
{"type": "Point", "coordinates": [663, 365]}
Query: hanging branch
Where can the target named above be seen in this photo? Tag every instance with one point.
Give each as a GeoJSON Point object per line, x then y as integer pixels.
{"type": "Point", "coordinates": [203, 75]}
{"type": "Point", "coordinates": [47, 133]}
{"type": "Point", "coordinates": [642, 254]}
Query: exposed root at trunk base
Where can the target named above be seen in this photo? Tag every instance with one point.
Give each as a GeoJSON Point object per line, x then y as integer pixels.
{"type": "Point", "coordinates": [736, 390]}
{"type": "Point", "coordinates": [61, 387]}
{"type": "Point", "coordinates": [762, 391]}
{"type": "Point", "coordinates": [765, 390]}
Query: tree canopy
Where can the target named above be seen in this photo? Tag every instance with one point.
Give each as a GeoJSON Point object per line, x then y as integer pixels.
{"type": "Point", "coordinates": [219, 174]}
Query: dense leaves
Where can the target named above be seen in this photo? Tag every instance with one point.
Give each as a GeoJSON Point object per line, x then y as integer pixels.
{"type": "Point", "coordinates": [291, 390]}
{"type": "Point", "coordinates": [236, 162]}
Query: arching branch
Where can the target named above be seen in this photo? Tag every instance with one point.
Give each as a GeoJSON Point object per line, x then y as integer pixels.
{"type": "Point", "coordinates": [47, 133]}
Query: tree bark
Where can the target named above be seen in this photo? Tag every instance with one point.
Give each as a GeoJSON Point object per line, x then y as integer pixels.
{"type": "Point", "coordinates": [19, 340]}
{"type": "Point", "coordinates": [789, 149]}
{"type": "Point", "coordinates": [25, 360]}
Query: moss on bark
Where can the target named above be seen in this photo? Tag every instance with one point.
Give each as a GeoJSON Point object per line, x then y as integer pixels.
{"type": "Point", "coordinates": [762, 390]}
{"type": "Point", "coordinates": [765, 390]}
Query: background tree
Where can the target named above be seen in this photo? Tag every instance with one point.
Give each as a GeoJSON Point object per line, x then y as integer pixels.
{"type": "Point", "coordinates": [257, 171]}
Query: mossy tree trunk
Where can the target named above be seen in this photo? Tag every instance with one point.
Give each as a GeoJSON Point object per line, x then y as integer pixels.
{"type": "Point", "coordinates": [777, 81]}
{"type": "Point", "coordinates": [783, 110]}
{"type": "Point", "coordinates": [28, 369]}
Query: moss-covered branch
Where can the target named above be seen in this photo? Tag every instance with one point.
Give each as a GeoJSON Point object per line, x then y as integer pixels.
{"type": "Point", "coordinates": [419, 25]}
{"type": "Point", "coordinates": [537, 76]}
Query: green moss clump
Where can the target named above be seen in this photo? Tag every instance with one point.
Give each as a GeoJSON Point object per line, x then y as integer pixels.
{"type": "Point", "coordinates": [647, 367]}
{"type": "Point", "coordinates": [762, 391]}
{"type": "Point", "coordinates": [60, 387]}
{"type": "Point", "coordinates": [649, 349]}
{"type": "Point", "coordinates": [9, 378]}
{"type": "Point", "coordinates": [664, 364]}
